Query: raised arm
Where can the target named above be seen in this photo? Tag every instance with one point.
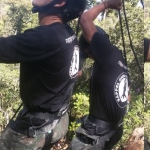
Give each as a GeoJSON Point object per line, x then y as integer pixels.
{"type": "Point", "coordinates": [89, 16]}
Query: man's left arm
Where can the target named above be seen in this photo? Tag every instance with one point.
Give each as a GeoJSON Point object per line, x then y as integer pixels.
{"type": "Point", "coordinates": [89, 16]}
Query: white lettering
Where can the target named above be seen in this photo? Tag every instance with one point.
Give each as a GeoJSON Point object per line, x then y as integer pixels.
{"type": "Point", "coordinates": [70, 39]}
{"type": "Point", "coordinates": [74, 68]}
{"type": "Point", "coordinates": [122, 65]}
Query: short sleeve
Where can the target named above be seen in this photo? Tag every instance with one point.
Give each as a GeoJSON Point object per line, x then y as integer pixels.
{"type": "Point", "coordinates": [32, 45]}
{"type": "Point", "coordinates": [25, 47]}
{"type": "Point", "coordinates": [100, 47]}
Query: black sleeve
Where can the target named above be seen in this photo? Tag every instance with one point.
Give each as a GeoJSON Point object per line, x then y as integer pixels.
{"type": "Point", "coordinates": [146, 48]}
{"type": "Point", "coordinates": [28, 46]}
{"type": "Point", "coordinates": [100, 47]}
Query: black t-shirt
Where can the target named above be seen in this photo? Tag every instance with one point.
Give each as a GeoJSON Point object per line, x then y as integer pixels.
{"type": "Point", "coordinates": [49, 57]}
{"type": "Point", "coordinates": [109, 81]}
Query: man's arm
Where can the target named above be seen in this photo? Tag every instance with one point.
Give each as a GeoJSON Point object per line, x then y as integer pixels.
{"type": "Point", "coordinates": [25, 47]}
{"type": "Point", "coordinates": [148, 56]}
{"type": "Point", "coordinates": [89, 16]}
{"type": "Point", "coordinates": [146, 50]}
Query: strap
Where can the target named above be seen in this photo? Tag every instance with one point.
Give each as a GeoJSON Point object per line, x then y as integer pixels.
{"type": "Point", "coordinates": [32, 131]}
{"type": "Point", "coordinates": [104, 124]}
{"type": "Point", "coordinates": [94, 142]}
{"type": "Point", "coordinates": [82, 119]}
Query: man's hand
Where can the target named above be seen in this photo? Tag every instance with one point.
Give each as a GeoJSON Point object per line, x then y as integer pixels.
{"type": "Point", "coordinates": [113, 4]}
{"type": "Point", "coordinates": [87, 18]}
{"type": "Point", "coordinates": [80, 73]}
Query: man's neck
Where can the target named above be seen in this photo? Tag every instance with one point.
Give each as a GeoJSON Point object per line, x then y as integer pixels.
{"type": "Point", "coordinates": [48, 19]}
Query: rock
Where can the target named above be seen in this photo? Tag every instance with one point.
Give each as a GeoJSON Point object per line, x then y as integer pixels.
{"type": "Point", "coordinates": [136, 140]}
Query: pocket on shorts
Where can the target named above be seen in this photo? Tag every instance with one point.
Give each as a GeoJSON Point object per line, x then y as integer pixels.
{"type": "Point", "coordinates": [60, 129]}
{"type": "Point", "coordinates": [19, 141]}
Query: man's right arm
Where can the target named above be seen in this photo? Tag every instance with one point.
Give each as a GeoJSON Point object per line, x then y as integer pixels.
{"type": "Point", "coordinates": [24, 47]}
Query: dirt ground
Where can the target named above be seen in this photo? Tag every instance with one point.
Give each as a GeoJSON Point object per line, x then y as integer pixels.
{"type": "Point", "coordinates": [61, 145]}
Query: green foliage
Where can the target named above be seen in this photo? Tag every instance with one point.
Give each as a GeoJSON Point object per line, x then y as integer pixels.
{"type": "Point", "coordinates": [135, 117]}
{"type": "Point", "coordinates": [79, 108]}
{"type": "Point", "coordinates": [71, 132]}
{"type": "Point", "coordinates": [16, 17]}
{"type": "Point", "coordinates": [9, 92]}
{"type": "Point", "coordinates": [80, 105]}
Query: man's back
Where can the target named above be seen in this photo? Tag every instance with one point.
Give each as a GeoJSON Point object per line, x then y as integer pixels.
{"type": "Point", "coordinates": [109, 87]}
{"type": "Point", "coordinates": [50, 80]}
{"type": "Point", "coordinates": [46, 74]}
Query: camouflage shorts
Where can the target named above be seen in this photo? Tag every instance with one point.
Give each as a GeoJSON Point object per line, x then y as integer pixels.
{"type": "Point", "coordinates": [85, 141]}
{"type": "Point", "coordinates": [11, 140]}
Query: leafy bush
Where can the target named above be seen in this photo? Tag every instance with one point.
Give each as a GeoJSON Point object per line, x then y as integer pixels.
{"type": "Point", "coordinates": [79, 108]}
{"type": "Point", "coordinates": [135, 117]}
{"type": "Point", "coordinates": [9, 92]}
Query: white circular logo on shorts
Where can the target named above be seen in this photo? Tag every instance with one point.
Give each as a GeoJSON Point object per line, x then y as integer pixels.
{"type": "Point", "coordinates": [74, 68]}
{"type": "Point", "coordinates": [121, 90]}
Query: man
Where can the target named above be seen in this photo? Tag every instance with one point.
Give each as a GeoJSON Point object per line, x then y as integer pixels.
{"type": "Point", "coordinates": [109, 88]}
{"type": "Point", "coordinates": [146, 50]}
{"type": "Point", "coordinates": [49, 62]}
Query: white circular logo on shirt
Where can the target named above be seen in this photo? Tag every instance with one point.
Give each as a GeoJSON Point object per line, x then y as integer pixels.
{"type": "Point", "coordinates": [74, 68]}
{"type": "Point", "coordinates": [121, 90]}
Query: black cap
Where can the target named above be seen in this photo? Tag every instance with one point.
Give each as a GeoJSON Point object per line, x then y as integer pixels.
{"type": "Point", "coordinates": [71, 10]}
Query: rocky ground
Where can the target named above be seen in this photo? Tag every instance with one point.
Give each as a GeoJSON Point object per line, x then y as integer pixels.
{"type": "Point", "coordinates": [135, 142]}
{"type": "Point", "coordinates": [61, 145]}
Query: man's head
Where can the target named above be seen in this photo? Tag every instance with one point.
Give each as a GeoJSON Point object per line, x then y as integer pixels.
{"type": "Point", "coordinates": [68, 9]}
{"type": "Point", "coordinates": [84, 45]}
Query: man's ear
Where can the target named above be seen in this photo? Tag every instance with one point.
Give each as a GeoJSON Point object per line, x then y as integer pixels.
{"type": "Point", "coordinates": [60, 3]}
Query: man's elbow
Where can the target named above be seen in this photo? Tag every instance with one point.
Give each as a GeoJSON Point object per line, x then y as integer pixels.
{"type": "Point", "coordinates": [83, 19]}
